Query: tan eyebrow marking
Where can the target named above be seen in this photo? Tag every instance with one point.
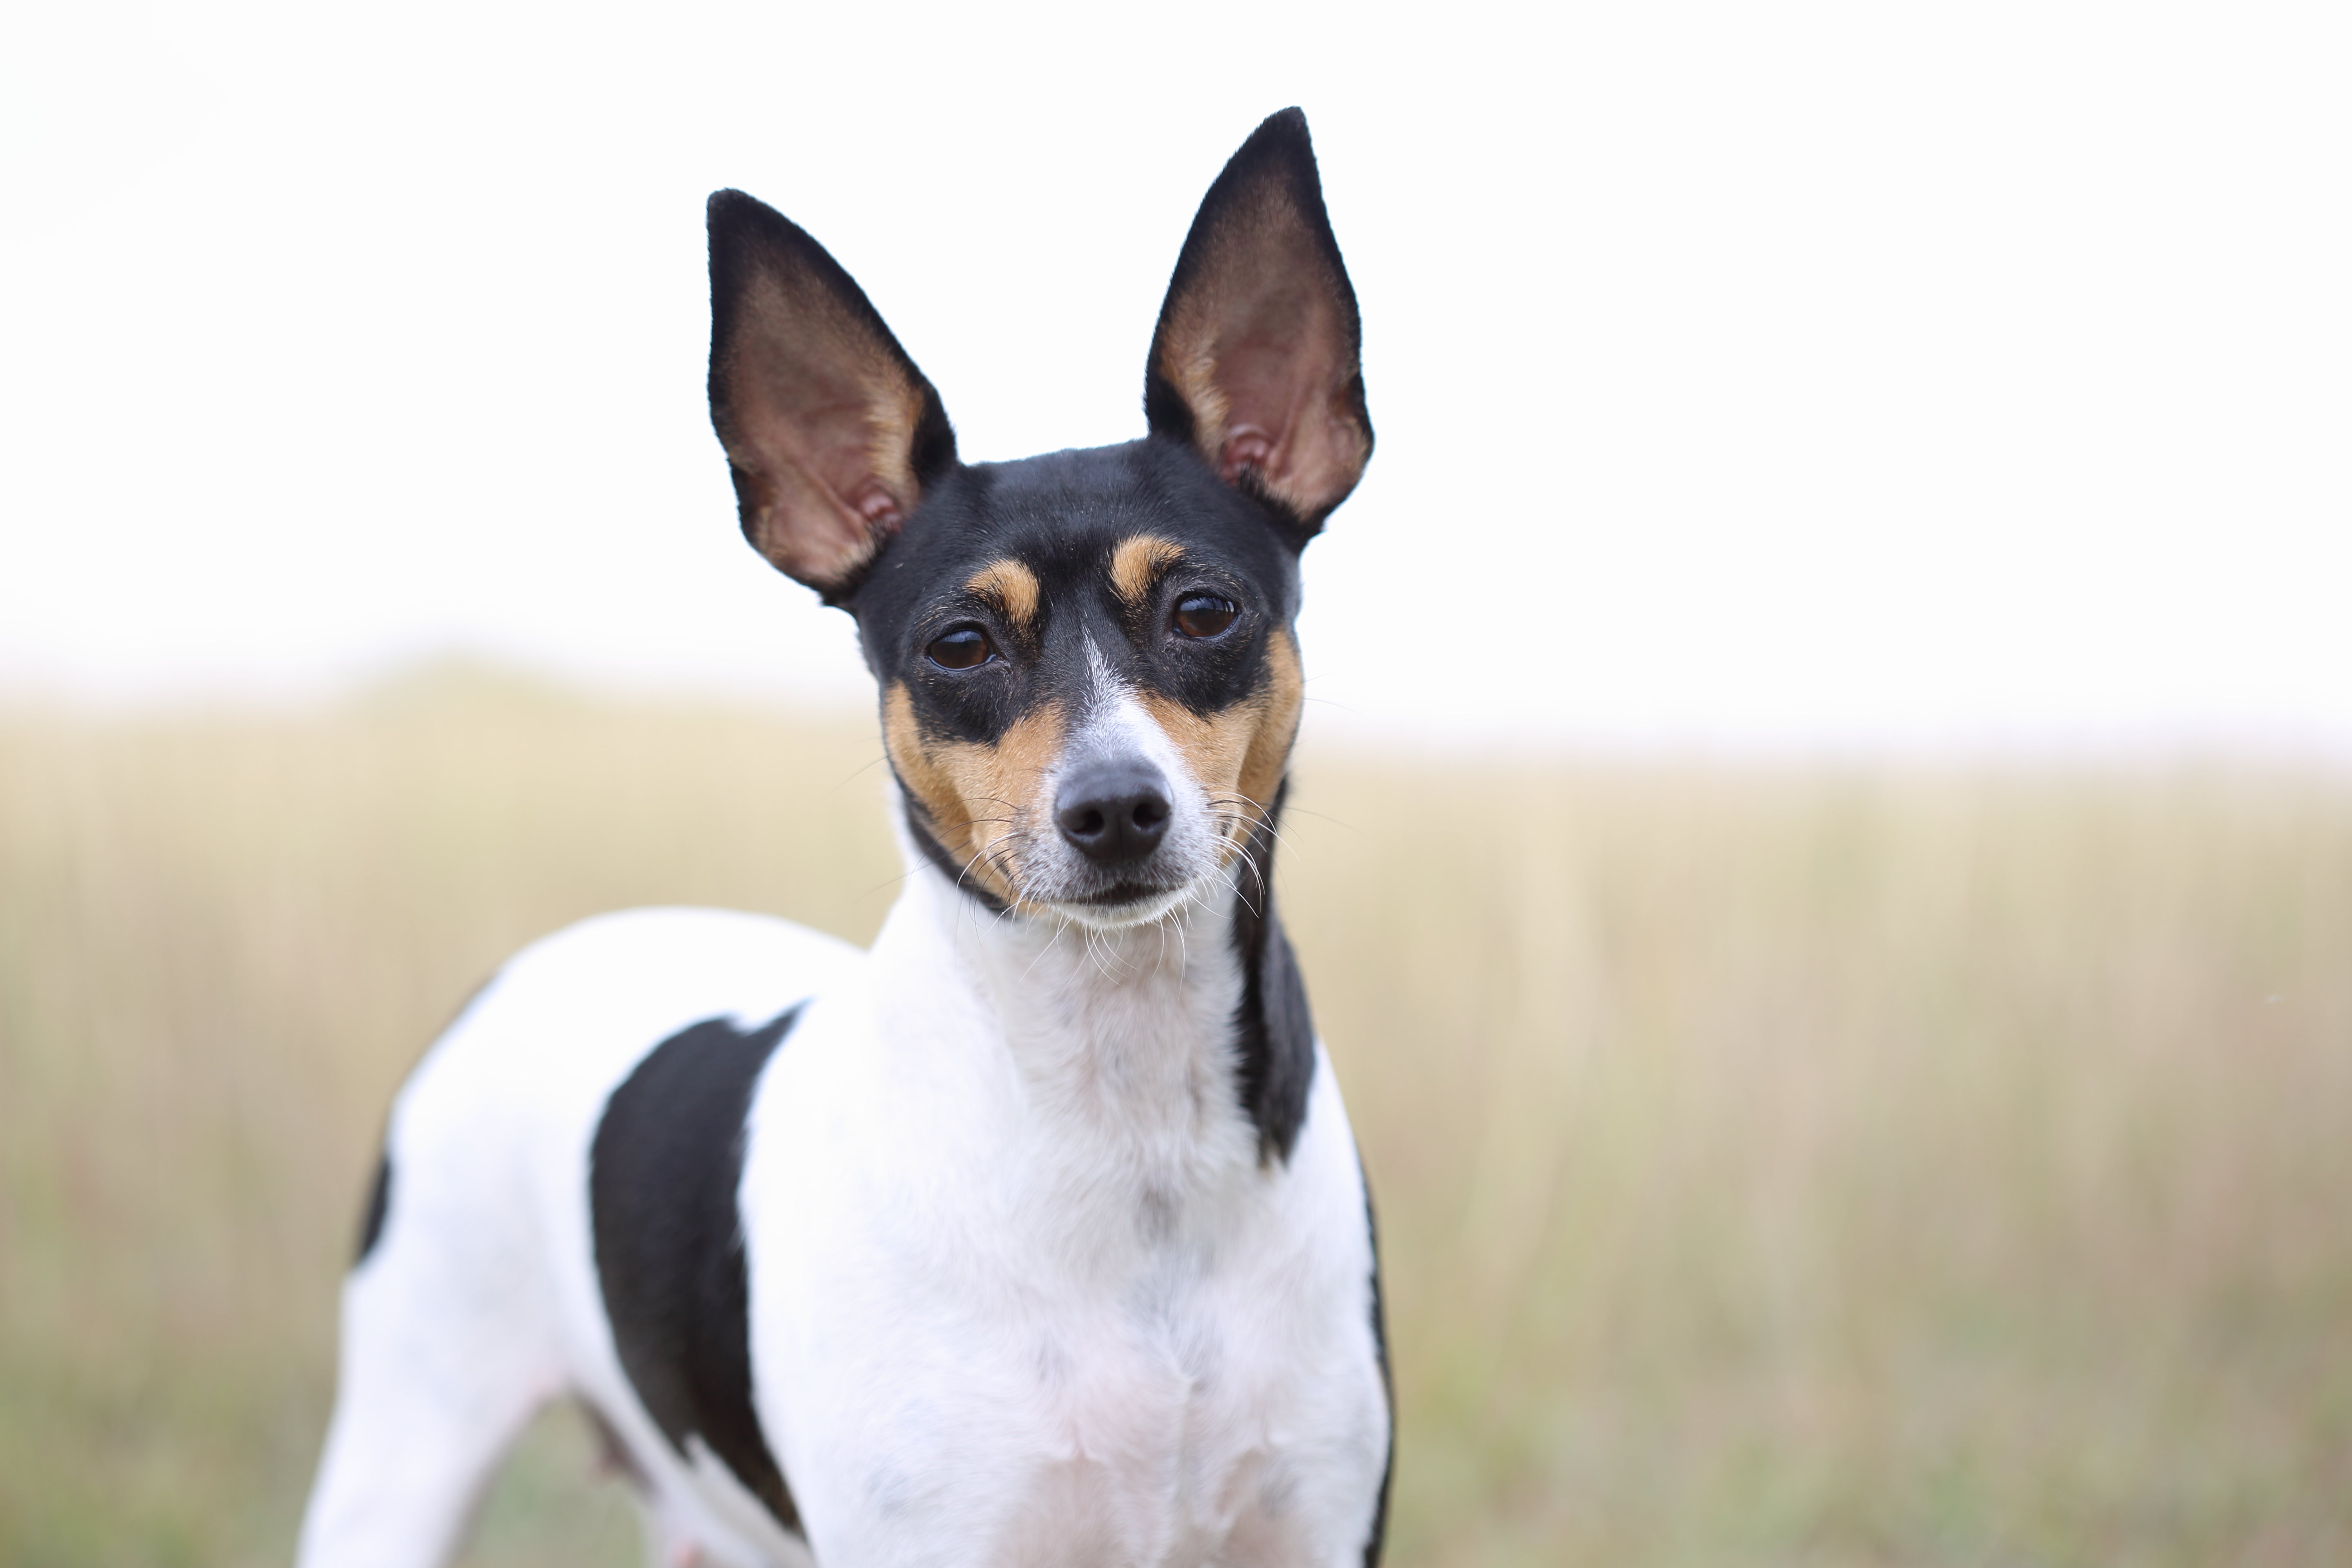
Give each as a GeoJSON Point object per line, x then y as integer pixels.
{"type": "Point", "coordinates": [1010, 587]}
{"type": "Point", "coordinates": [1137, 562]}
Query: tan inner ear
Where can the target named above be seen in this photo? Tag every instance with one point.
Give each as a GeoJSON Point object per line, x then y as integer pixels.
{"type": "Point", "coordinates": [981, 802]}
{"type": "Point", "coordinates": [1258, 347]}
{"type": "Point", "coordinates": [822, 421]}
{"type": "Point", "coordinates": [1238, 755]}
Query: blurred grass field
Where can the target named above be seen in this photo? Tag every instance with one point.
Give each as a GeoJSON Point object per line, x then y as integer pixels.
{"type": "Point", "coordinates": [1776, 1166]}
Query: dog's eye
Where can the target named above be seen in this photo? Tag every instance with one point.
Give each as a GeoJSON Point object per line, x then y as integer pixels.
{"type": "Point", "coordinates": [1204, 614]}
{"type": "Point", "coordinates": [960, 648]}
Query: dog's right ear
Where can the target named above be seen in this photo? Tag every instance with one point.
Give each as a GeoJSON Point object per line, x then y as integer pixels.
{"type": "Point", "coordinates": [832, 432]}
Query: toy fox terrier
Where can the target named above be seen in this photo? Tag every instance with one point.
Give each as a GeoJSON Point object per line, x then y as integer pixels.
{"type": "Point", "coordinates": [1034, 1237]}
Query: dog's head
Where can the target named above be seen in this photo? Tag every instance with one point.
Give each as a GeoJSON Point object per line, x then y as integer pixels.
{"type": "Point", "coordinates": [1089, 677]}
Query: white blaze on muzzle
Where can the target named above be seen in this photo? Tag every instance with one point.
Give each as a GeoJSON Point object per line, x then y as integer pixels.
{"type": "Point", "coordinates": [1133, 834]}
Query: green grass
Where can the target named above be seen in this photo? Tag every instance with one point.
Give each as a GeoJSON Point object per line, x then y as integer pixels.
{"type": "Point", "coordinates": [1776, 1166]}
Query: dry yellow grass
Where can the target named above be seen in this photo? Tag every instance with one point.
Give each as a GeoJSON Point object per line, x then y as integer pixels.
{"type": "Point", "coordinates": [1775, 1166]}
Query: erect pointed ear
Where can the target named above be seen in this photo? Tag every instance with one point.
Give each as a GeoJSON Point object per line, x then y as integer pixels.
{"type": "Point", "coordinates": [832, 432]}
{"type": "Point", "coordinates": [1256, 361]}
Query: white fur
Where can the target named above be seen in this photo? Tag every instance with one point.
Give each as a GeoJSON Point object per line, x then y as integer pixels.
{"type": "Point", "coordinates": [1022, 1291]}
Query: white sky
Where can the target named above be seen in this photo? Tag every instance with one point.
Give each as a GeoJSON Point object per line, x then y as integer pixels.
{"type": "Point", "coordinates": [1787, 376]}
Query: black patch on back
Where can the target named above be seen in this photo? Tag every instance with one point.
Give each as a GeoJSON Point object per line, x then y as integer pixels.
{"type": "Point", "coordinates": [1388, 1384]}
{"type": "Point", "coordinates": [662, 1179]}
{"type": "Point", "coordinates": [379, 1201]}
{"type": "Point", "coordinates": [1273, 1032]}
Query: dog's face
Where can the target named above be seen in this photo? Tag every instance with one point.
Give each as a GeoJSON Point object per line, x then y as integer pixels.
{"type": "Point", "coordinates": [1089, 675]}
{"type": "Point", "coordinates": [1088, 680]}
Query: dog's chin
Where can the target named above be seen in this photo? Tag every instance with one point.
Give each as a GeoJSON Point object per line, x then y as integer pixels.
{"type": "Point", "coordinates": [1119, 907]}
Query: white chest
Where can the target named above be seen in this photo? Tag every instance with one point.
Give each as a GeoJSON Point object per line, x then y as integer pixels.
{"type": "Point", "coordinates": [1064, 1315]}
{"type": "Point", "coordinates": [1172, 1411]}
{"type": "Point", "coordinates": [1137, 1428]}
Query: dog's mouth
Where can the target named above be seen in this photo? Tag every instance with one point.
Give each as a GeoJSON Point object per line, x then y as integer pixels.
{"type": "Point", "coordinates": [1127, 893]}
{"type": "Point", "coordinates": [1127, 904]}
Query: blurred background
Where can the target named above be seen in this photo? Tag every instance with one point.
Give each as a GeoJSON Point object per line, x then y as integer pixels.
{"type": "Point", "coordinates": [1823, 841]}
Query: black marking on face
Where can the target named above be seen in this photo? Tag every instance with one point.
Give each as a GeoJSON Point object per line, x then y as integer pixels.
{"type": "Point", "coordinates": [662, 1178]}
{"type": "Point", "coordinates": [1273, 1032]}
{"type": "Point", "coordinates": [1062, 518]}
{"type": "Point", "coordinates": [1388, 1384]}
{"type": "Point", "coordinates": [379, 1202]}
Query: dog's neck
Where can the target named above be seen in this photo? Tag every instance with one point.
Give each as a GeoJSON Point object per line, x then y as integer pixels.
{"type": "Point", "coordinates": [1130, 1029]}
{"type": "Point", "coordinates": [1146, 1048]}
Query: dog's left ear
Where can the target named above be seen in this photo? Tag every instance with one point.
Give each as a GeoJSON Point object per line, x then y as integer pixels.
{"type": "Point", "coordinates": [1256, 361]}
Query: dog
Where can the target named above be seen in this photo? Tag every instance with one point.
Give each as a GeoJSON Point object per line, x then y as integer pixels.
{"type": "Point", "coordinates": [1036, 1236]}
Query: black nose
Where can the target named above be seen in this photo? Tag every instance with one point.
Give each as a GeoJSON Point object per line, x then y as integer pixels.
{"type": "Point", "coordinates": [1114, 813]}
